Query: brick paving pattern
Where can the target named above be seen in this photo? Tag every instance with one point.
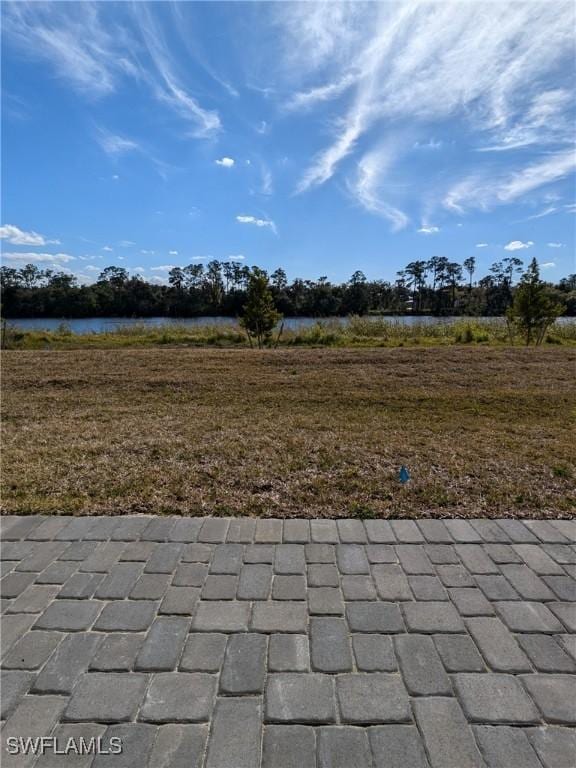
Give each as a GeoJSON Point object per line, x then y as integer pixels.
{"type": "Point", "coordinates": [217, 643]}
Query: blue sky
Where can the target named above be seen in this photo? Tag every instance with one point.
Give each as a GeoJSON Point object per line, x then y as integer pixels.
{"type": "Point", "coordinates": [321, 137]}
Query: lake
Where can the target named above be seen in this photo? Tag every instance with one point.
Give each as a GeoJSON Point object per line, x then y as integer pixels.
{"type": "Point", "coordinates": [103, 324]}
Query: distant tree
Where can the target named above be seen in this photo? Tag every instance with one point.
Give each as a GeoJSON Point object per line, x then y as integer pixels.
{"type": "Point", "coordinates": [260, 315]}
{"type": "Point", "coordinates": [533, 310]}
{"type": "Point", "coordinates": [453, 277]}
{"type": "Point", "coordinates": [470, 267]}
{"type": "Point", "coordinates": [116, 276]}
{"type": "Point", "coordinates": [279, 279]}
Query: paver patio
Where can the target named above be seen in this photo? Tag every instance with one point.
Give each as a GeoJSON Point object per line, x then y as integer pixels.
{"type": "Point", "coordinates": [218, 643]}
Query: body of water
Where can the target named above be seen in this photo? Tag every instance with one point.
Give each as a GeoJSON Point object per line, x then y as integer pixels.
{"type": "Point", "coordinates": [104, 324]}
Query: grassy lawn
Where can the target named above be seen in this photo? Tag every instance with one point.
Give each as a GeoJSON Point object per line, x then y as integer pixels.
{"type": "Point", "coordinates": [485, 431]}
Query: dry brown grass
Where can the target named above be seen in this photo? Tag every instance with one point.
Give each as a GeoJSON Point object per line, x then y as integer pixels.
{"type": "Point", "coordinates": [323, 432]}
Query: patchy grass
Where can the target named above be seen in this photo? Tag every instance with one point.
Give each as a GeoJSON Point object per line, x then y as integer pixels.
{"type": "Point", "coordinates": [358, 332]}
{"type": "Point", "coordinates": [485, 431]}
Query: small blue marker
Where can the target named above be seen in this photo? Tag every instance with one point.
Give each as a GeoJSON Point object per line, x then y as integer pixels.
{"type": "Point", "coordinates": [404, 474]}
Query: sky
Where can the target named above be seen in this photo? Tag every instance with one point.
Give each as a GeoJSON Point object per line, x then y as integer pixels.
{"type": "Point", "coordinates": [319, 137]}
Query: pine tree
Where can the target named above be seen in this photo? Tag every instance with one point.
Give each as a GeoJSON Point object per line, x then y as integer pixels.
{"type": "Point", "coordinates": [533, 310]}
{"type": "Point", "coordinates": [260, 314]}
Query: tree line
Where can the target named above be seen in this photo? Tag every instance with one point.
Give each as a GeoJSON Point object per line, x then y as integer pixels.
{"type": "Point", "coordinates": [438, 287]}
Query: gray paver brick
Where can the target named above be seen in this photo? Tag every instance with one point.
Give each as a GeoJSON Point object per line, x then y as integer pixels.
{"type": "Point", "coordinates": [554, 696]}
{"type": "Point", "coordinates": [219, 587]}
{"type": "Point", "coordinates": [268, 531]}
{"type": "Point", "coordinates": [517, 531]}
{"type": "Point", "coordinates": [179, 746]}
{"type": "Point", "coordinates": [494, 698]}
{"type": "Point", "coordinates": [470, 602]}
{"type": "Point", "coordinates": [296, 531]}
{"type": "Point", "coordinates": [397, 746]}
{"type": "Point", "coordinates": [78, 550]}
{"type": "Point", "coordinates": [179, 697]}
{"type": "Point", "coordinates": [289, 746]}
{"type": "Point", "coordinates": [497, 645]}
{"type": "Point", "coordinates": [391, 582]}
{"type": "Point", "coordinates": [561, 553]}
{"type": "Point", "coordinates": [49, 529]}
{"type": "Point", "coordinates": [524, 616]}
{"type": "Point", "coordinates": [104, 557]}
{"type": "Point", "coordinates": [490, 530]}
{"type": "Point", "coordinates": [279, 616]}
{"type": "Point", "coordinates": [225, 616]}
{"type": "Point", "coordinates": [15, 583]}
{"type": "Point", "coordinates": [358, 588]}
{"type": "Point", "coordinates": [441, 554]}
{"type": "Point", "coordinates": [526, 582]}
{"type": "Point", "coordinates": [564, 587]}
{"type": "Point", "coordinates": [320, 553]}
{"type": "Point", "coordinates": [13, 628]}
{"type": "Point", "coordinates": [554, 745]}
{"type": "Point", "coordinates": [351, 531]}
{"type": "Point", "coordinates": [406, 531]}
{"type": "Point", "coordinates": [163, 645]}
{"type": "Point", "coordinates": [300, 698]}
{"type": "Point", "coordinates": [432, 617]}
{"type": "Point", "coordinates": [381, 553]}
{"type": "Point", "coordinates": [164, 558]}
{"type": "Point", "coordinates": [227, 559]}
{"type": "Point", "coordinates": [458, 653]}
{"type": "Point", "coordinates": [330, 645]}
{"type": "Point", "coordinates": [566, 612]}
{"type": "Point", "coordinates": [214, 530]}
{"type": "Point", "coordinates": [126, 616]}
{"type": "Point", "coordinates": [324, 531]}
{"type": "Point", "coordinates": [190, 575]}
{"type": "Point", "coordinates": [374, 617]}
{"type": "Point", "coordinates": [290, 559]}
{"type": "Point", "coordinates": [496, 588]}
{"type": "Point", "coordinates": [81, 586]}
{"type": "Point", "coordinates": [32, 650]}
{"type": "Point", "coordinates": [462, 532]}
{"type": "Point", "coordinates": [204, 652]}
{"type": "Point", "coordinates": [185, 530]}
{"type": "Point", "coordinates": [260, 553]}
{"type": "Point", "coordinates": [454, 576]}
{"type": "Point", "coordinates": [179, 601]}
{"type": "Point", "coordinates": [129, 528]}
{"type": "Point", "coordinates": [374, 653]}
{"type": "Point", "coordinates": [34, 716]}
{"type": "Point", "coordinates": [14, 683]}
{"type": "Point", "coordinates": [70, 659]}
{"type": "Point", "coordinates": [289, 588]}
{"type": "Point", "coordinates": [255, 582]}
{"type": "Point", "coordinates": [235, 737]}
{"type": "Point", "coordinates": [69, 615]}
{"type": "Point", "coordinates": [506, 747]}
{"type": "Point", "coordinates": [372, 698]}
{"type": "Point", "coordinates": [288, 653]}
{"type": "Point", "coordinates": [545, 654]}
{"type": "Point", "coordinates": [546, 532]}
{"type": "Point", "coordinates": [58, 573]}
{"type": "Point", "coordinates": [137, 551]}
{"type": "Point", "coordinates": [352, 559]}
{"type": "Point", "coordinates": [197, 553]}
{"type": "Point", "coordinates": [34, 599]}
{"type": "Point", "coordinates": [63, 733]}
{"type": "Point", "coordinates": [475, 559]}
{"type": "Point", "coordinates": [106, 697]}
{"type": "Point", "coordinates": [158, 529]}
{"type": "Point", "coordinates": [323, 575]}
{"type": "Point", "coordinates": [537, 559]}
{"type": "Point", "coordinates": [446, 732]}
{"type": "Point", "coordinates": [244, 668]}
{"type": "Point", "coordinates": [427, 588]}
{"type": "Point", "coordinates": [117, 652]}
{"type": "Point", "coordinates": [435, 531]}
{"type": "Point", "coordinates": [343, 747]}
{"type": "Point", "coordinates": [422, 670]}
{"type": "Point", "coordinates": [150, 586]}
{"type": "Point", "coordinates": [501, 553]}
{"type": "Point", "coordinates": [137, 742]}
{"type": "Point", "coordinates": [414, 560]}
{"type": "Point", "coordinates": [241, 531]}
{"type": "Point", "coordinates": [379, 532]}
{"type": "Point", "coordinates": [325, 601]}
{"type": "Point", "coordinates": [44, 553]}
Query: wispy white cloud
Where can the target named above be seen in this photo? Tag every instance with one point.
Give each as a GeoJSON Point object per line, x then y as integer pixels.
{"type": "Point", "coordinates": [486, 190]}
{"type": "Point", "coordinates": [172, 253]}
{"type": "Point", "coordinates": [32, 256]}
{"type": "Point", "coordinates": [17, 236]}
{"type": "Point", "coordinates": [481, 245]}
{"type": "Point", "coordinates": [113, 144]}
{"type": "Point", "coordinates": [126, 243]}
{"type": "Point", "coordinates": [366, 187]}
{"type": "Point", "coordinates": [518, 245]}
{"type": "Point", "coordinates": [429, 62]}
{"type": "Point", "coordinates": [163, 268]}
{"type": "Point", "coordinates": [556, 245]}
{"type": "Point", "coordinates": [236, 257]}
{"type": "Point", "coordinates": [428, 230]}
{"type": "Point", "coordinates": [226, 162]}
{"type": "Point", "coordinates": [257, 222]}
{"type": "Point", "coordinates": [547, 264]}
{"type": "Point", "coordinates": [107, 248]}
{"type": "Point", "coordinates": [146, 252]}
